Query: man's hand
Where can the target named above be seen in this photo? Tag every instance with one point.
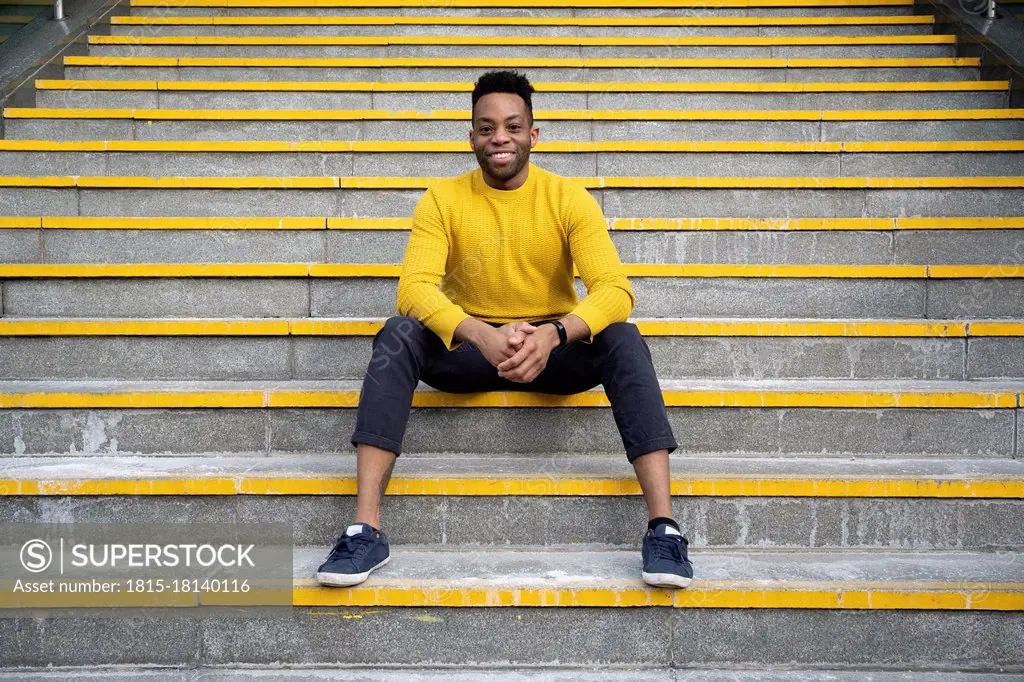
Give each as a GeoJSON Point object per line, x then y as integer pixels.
{"type": "Point", "coordinates": [532, 355]}
{"type": "Point", "coordinates": [498, 344]}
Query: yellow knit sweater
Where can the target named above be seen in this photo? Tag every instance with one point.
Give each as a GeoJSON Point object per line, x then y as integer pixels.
{"type": "Point", "coordinates": [507, 255]}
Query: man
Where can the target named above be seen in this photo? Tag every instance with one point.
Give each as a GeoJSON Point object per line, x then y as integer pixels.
{"type": "Point", "coordinates": [486, 302]}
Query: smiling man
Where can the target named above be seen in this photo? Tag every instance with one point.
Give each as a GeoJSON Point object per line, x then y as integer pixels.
{"type": "Point", "coordinates": [487, 302]}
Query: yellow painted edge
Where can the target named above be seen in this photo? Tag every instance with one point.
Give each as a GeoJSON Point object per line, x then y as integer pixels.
{"type": "Point", "coordinates": [393, 270]}
{"type": "Point", "coordinates": [285, 398]}
{"type": "Point", "coordinates": [391, 20]}
{"type": "Point", "coordinates": [701, 594]}
{"type": "Point", "coordinates": [567, 86]}
{"type": "Point", "coordinates": [15, 222]}
{"type": "Point", "coordinates": [507, 3]}
{"type": "Point", "coordinates": [523, 486]}
{"type": "Point", "coordinates": [801, 328]}
{"type": "Point", "coordinates": [522, 62]}
{"type": "Point", "coordinates": [369, 327]}
{"type": "Point", "coordinates": [398, 182]}
{"type": "Point", "coordinates": [560, 147]}
{"type": "Point", "coordinates": [996, 329]}
{"type": "Point", "coordinates": [577, 41]}
{"type": "Point", "coordinates": [619, 224]}
{"type": "Point", "coordinates": [971, 271]}
{"type": "Point", "coordinates": [176, 223]}
{"type": "Point", "coordinates": [540, 114]}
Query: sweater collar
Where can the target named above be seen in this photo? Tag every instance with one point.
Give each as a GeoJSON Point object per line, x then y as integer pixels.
{"type": "Point", "coordinates": [484, 188]}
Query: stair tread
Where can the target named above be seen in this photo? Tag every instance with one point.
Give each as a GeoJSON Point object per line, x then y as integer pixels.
{"type": "Point", "coordinates": [458, 567]}
{"type": "Point", "coordinates": [554, 467]}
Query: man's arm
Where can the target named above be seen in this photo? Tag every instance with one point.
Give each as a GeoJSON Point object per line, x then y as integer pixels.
{"type": "Point", "coordinates": [423, 266]}
{"type": "Point", "coordinates": [610, 296]}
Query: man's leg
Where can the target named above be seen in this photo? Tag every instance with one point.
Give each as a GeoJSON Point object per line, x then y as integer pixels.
{"type": "Point", "coordinates": [373, 471]}
{"type": "Point", "coordinates": [630, 382]}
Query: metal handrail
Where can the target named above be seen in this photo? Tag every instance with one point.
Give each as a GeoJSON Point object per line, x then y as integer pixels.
{"type": "Point", "coordinates": [58, 10]}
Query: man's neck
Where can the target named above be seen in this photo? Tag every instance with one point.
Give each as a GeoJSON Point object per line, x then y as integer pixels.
{"type": "Point", "coordinates": [515, 182]}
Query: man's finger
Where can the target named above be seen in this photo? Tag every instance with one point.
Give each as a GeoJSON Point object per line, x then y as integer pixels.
{"type": "Point", "coordinates": [516, 359]}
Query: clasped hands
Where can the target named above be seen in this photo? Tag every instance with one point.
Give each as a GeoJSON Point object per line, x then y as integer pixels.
{"type": "Point", "coordinates": [519, 350]}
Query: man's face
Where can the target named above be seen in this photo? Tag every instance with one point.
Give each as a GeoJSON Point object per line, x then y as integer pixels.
{"type": "Point", "coordinates": [502, 137]}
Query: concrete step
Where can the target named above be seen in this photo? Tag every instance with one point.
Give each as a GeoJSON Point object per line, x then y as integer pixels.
{"type": "Point", "coordinates": [98, 239]}
{"type": "Point", "coordinates": [547, 499]}
{"type": "Point", "coordinates": [368, 290]}
{"type": "Point", "coordinates": [444, 158]}
{"type": "Point", "coordinates": [577, 125]}
{"type": "Point", "coordinates": [849, 241]}
{"type": "Point", "coordinates": [220, 94]}
{"type": "Point", "coordinates": [525, 605]}
{"type": "Point", "coordinates": [903, 418]}
{"type": "Point", "coordinates": [368, 25]}
{"type": "Point", "coordinates": [252, 196]}
{"type": "Point", "coordinates": [777, 70]}
{"type": "Point", "coordinates": [326, 349]}
{"type": "Point", "coordinates": [537, 47]}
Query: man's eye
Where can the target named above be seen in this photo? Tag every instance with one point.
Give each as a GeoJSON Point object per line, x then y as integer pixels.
{"type": "Point", "coordinates": [513, 127]}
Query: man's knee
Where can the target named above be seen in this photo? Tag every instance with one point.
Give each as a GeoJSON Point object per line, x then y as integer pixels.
{"type": "Point", "coordinates": [623, 337]}
{"type": "Point", "coordinates": [399, 335]}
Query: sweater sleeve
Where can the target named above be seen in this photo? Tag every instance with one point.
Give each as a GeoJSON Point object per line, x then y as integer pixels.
{"type": "Point", "coordinates": [610, 296]}
{"type": "Point", "coordinates": [423, 266]}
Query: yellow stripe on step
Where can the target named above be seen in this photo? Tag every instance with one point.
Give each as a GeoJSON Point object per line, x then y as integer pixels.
{"type": "Point", "coordinates": [577, 41]}
{"type": "Point", "coordinates": [601, 182]}
{"type": "Point", "coordinates": [395, 20]}
{"type": "Point", "coordinates": [618, 224]}
{"type": "Point", "coordinates": [524, 485]}
{"type": "Point", "coordinates": [445, 4]}
{"type": "Point", "coordinates": [521, 62]}
{"type": "Point", "coordinates": [539, 114]}
{"type": "Point", "coordinates": [332, 270]}
{"type": "Point", "coordinates": [283, 398]}
{"type": "Point", "coordinates": [565, 86]}
{"type": "Point", "coordinates": [369, 327]}
{"type": "Point", "coordinates": [15, 19]}
{"type": "Point", "coordinates": [554, 147]}
{"type": "Point", "coordinates": [702, 594]}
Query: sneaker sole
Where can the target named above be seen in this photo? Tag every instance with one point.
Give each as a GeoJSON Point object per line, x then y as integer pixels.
{"type": "Point", "coordinates": [347, 579]}
{"type": "Point", "coordinates": [666, 579]}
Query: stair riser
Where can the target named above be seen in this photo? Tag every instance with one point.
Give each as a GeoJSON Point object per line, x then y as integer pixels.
{"type": "Point", "coordinates": [548, 74]}
{"type": "Point", "coordinates": [756, 203]}
{"type": "Point", "coordinates": [932, 247]}
{"type": "Point", "coordinates": [867, 432]}
{"type": "Point", "coordinates": [531, 51]}
{"type": "Point", "coordinates": [656, 297]}
{"type": "Point", "coordinates": [719, 522]}
{"type": "Point", "coordinates": [556, 636]}
{"type": "Point", "coordinates": [550, 130]}
{"type": "Point", "coordinates": [91, 99]}
{"type": "Point", "coordinates": [511, 31]}
{"type": "Point", "coordinates": [330, 358]}
{"type": "Point", "coordinates": [582, 164]}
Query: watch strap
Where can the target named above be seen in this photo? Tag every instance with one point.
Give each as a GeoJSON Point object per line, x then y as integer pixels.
{"type": "Point", "coordinates": [563, 336]}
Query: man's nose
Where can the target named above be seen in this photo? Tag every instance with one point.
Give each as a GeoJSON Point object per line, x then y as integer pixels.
{"type": "Point", "coordinates": [499, 136]}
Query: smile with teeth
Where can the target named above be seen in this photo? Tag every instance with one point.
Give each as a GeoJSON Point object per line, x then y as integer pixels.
{"type": "Point", "coordinates": [502, 155]}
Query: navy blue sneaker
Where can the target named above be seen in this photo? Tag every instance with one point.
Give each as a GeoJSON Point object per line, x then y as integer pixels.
{"type": "Point", "coordinates": [360, 551]}
{"type": "Point", "coordinates": [665, 560]}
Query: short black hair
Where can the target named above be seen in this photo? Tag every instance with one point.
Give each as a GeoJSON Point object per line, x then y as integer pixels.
{"type": "Point", "coordinates": [504, 81]}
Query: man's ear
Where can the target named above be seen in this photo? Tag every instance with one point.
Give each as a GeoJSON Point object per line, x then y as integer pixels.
{"type": "Point", "coordinates": [534, 135]}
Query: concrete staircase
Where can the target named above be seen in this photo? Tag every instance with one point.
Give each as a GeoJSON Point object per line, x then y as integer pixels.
{"type": "Point", "coordinates": [821, 209]}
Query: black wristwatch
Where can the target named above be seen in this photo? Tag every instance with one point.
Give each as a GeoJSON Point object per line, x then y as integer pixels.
{"type": "Point", "coordinates": [563, 336]}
